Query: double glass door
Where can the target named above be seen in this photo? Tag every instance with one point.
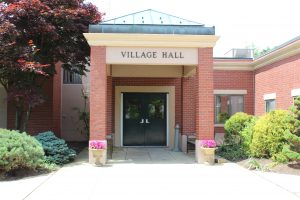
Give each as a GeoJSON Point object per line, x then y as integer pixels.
{"type": "Point", "coordinates": [144, 119]}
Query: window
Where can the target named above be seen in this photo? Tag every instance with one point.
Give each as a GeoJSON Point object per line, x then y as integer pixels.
{"type": "Point", "coordinates": [270, 105]}
{"type": "Point", "coordinates": [71, 77]}
{"type": "Point", "coordinates": [226, 106]}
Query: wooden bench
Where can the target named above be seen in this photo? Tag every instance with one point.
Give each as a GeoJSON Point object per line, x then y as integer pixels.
{"type": "Point", "coordinates": [191, 142]}
{"type": "Point", "coordinates": [188, 142]}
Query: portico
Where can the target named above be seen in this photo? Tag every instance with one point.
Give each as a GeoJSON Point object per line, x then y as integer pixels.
{"type": "Point", "coordinates": [146, 80]}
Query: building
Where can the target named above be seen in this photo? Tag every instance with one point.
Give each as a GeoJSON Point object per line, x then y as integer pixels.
{"type": "Point", "coordinates": [150, 71]}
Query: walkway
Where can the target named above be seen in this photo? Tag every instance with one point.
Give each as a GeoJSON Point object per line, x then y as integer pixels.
{"type": "Point", "coordinates": [149, 155]}
{"type": "Point", "coordinates": [165, 178]}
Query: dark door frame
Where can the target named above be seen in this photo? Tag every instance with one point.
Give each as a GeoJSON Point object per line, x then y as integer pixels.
{"type": "Point", "coordinates": [167, 118]}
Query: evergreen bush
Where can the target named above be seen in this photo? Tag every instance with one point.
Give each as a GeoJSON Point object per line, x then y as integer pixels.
{"type": "Point", "coordinates": [56, 149]}
{"type": "Point", "coordinates": [18, 151]}
{"type": "Point", "coordinates": [292, 149]}
{"type": "Point", "coordinates": [234, 126]}
{"type": "Point", "coordinates": [269, 135]}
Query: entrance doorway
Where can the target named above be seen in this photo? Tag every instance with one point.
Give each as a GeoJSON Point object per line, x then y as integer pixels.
{"type": "Point", "coordinates": [144, 119]}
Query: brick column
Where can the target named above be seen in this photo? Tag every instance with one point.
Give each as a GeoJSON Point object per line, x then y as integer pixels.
{"type": "Point", "coordinates": [109, 108]}
{"type": "Point", "coordinates": [56, 102]}
{"type": "Point", "coordinates": [98, 96]}
{"type": "Point", "coordinates": [204, 98]}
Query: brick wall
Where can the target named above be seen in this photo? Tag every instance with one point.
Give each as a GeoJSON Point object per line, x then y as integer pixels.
{"type": "Point", "coordinates": [189, 106]}
{"type": "Point", "coordinates": [237, 80]}
{"type": "Point", "coordinates": [280, 78]}
{"type": "Point", "coordinates": [41, 118]}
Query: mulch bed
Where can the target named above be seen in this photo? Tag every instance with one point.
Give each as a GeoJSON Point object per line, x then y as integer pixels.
{"type": "Point", "coordinates": [78, 146]}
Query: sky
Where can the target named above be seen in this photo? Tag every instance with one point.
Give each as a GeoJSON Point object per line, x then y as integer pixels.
{"type": "Point", "coordinates": [239, 23]}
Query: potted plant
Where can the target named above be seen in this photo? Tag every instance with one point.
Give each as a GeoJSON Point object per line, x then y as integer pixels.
{"type": "Point", "coordinates": [98, 150]}
{"type": "Point", "coordinates": [207, 148]}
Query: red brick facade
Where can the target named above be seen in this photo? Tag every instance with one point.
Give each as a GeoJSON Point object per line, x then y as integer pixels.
{"type": "Point", "coordinates": [237, 80]}
{"type": "Point", "coordinates": [204, 98]}
{"type": "Point", "coordinates": [41, 118]}
{"type": "Point", "coordinates": [280, 78]}
{"type": "Point", "coordinates": [98, 97]}
{"type": "Point", "coordinates": [188, 105]}
{"type": "Point", "coordinates": [194, 99]}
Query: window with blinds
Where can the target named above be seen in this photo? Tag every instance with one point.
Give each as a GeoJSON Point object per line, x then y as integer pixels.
{"type": "Point", "coordinates": [71, 77]}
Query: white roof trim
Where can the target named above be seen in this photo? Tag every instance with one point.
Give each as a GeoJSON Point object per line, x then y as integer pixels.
{"type": "Point", "coordinates": [230, 91]}
{"type": "Point", "coordinates": [269, 96]}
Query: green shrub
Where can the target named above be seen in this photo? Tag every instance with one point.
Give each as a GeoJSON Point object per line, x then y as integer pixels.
{"type": "Point", "coordinates": [19, 150]}
{"type": "Point", "coordinates": [222, 117]}
{"type": "Point", "coordinates": [292, 149]}
{"type": "Point", "coordinates": [247, 135]}
{"type": "Point", "coordinates": [268, 136]}
{"type": "Point", "coordinates": [56, 150]}
{"type": "Point", "coordinates": [232, 152]}
{"type": "Point", "coordinates": [234, 126]}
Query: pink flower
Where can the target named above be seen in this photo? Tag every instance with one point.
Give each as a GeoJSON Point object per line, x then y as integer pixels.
{"type": "Point", "coordinates": [208, 144]}
{"type": "Point", "coordinates": [97, 144]}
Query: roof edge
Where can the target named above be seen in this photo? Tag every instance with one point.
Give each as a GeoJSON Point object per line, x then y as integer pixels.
{"type": "Point", "coordinates": [283, 51]}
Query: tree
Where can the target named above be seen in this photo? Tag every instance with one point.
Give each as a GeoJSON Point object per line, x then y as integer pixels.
{"type": "Point", "coordinates": [292, 150]}
{"type": "Point", "coordinates": [34, 35]}
{"type": "Point", "coordinates": [258, 52]}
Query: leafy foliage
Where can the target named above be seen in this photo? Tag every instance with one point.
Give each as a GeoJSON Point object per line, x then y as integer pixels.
{"type": "Point", "coordinates": [292, 150]}
{"type": "Point", "coordinates": [268, 137]}
{"type": "Point", "coordinates": [247, 134]}
{"type": "Point", "coordinates": [56, 150]}
{"type": "Point", "coordinates": [84, 115]}
{"type": "Point", "coordinates": [39, 33]}
{"type": "Point", "coordinates": [19, 150]}
{"type": "Point", "coordinates": [232, 152]}
{"type": "Point", "coordinates": [234, 148]}
{"type": "Point", "coordinates": [234, 126]}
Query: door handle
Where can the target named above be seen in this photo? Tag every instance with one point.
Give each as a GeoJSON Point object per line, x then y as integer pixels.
{"type": "Point", "coordinates": [142, 121]}
{"type": "Point", "coordinates": [147, 122]}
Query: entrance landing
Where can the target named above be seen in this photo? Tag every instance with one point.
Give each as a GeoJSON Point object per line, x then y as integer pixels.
{"type": "Point", "coordinates": [150, 155]}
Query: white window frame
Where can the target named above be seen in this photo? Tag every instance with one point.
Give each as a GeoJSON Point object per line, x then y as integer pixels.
{"type": "Point", "coordinates": [228, 93]}
{"type": "Point", "coordinates": [295, 92]}
{"type": "Point", "coordinates": [269, 97]}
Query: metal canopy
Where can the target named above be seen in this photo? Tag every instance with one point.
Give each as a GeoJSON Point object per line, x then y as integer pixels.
{"type": "Point", "coordinates": [151, 22]}
{"type": "Point", "coordinates": [150, 17]}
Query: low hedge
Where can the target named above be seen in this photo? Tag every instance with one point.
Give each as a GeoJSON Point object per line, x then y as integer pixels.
{"type": "Point", "coordinates": [19, 150]}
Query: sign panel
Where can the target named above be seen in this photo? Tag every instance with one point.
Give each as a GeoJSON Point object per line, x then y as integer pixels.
{"type": "Point", "coordinates": [152, 56]}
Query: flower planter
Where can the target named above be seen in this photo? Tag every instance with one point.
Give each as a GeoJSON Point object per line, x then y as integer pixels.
{"type": "Point", "coordinates": [208, 155]}
{"type": "Point", "coordinates": [205, 151]}
{"type": "Point", "coordinates": [97, 152]}
{"type": "Point", "coordinates": [99, 156]}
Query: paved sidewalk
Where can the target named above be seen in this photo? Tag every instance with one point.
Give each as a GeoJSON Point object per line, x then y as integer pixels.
{"type": "Point", "coordinates": [152, 173]}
